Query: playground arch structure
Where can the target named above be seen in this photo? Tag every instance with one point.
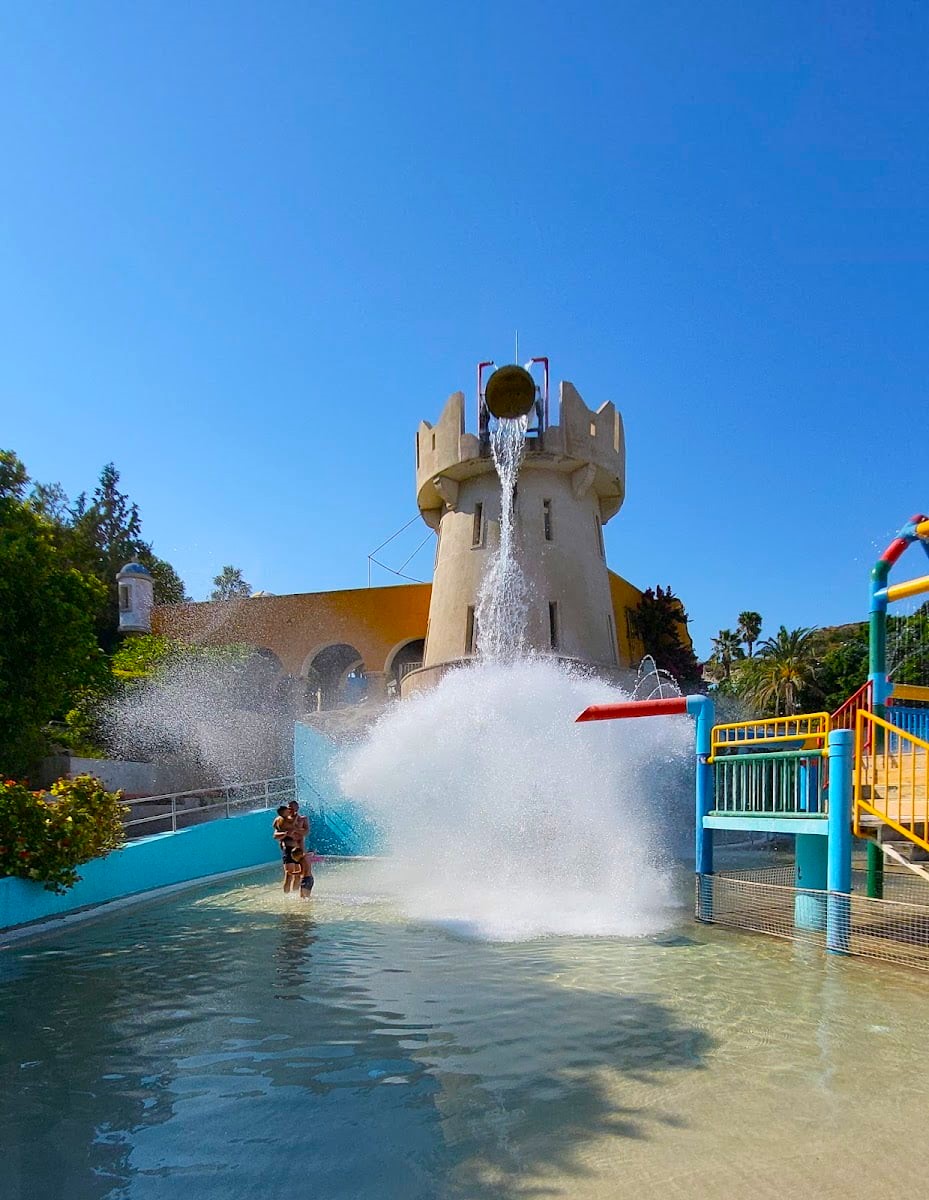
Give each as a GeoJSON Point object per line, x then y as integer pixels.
{"type": "Point", "coordinates": [861, 772]}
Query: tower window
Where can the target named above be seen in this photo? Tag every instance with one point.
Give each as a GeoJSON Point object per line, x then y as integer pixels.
{"type": "Point", "coordinates": [438, 543]}
{"type": "Point", "coordinates": [477, 529]}
{"type": "Point", "coordinates": [553, 623]}
{"type": "Point", "coordinates": [612, 633]}
{"type": "Point", "coordinates": [547, 519]}
{"type": "Point", "coordinates": [469, 631]}
{"type": "Point", "coordinates": [600, 536]}
{"type": "Point", "coordinates": [125, 597]}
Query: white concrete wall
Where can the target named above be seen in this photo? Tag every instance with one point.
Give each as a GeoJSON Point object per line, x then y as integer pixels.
{"type": "Point", "coordinates": [580, 467]}
{"type": "Point", "coordinates": [569, 570]}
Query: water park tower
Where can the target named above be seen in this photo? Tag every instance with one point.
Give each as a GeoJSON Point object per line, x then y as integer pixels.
{"type": "Point", "coordinates": [571, 482]}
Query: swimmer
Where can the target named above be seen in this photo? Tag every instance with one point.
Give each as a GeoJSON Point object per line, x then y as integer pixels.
{"type": "Point", "coordinates": [305, 864]}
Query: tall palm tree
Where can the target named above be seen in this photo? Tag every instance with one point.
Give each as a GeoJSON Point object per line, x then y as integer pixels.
{"type": "Point", "coordinates": [749, 628]}
{"type": "Point", "coordinates": [726, 646]}
{"type": "Point", "coordinates": [785, 666]}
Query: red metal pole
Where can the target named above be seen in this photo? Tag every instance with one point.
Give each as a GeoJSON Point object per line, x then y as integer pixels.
{"type": "Point", "coordinates": [669, 706]}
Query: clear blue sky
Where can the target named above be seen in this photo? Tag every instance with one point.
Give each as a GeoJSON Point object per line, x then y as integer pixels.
{"type": "Point", "coordinates": [246, 248]}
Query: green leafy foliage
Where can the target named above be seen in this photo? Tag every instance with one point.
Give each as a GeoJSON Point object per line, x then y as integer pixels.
{"type": "Point", "coordinates": [229, 585]}
{"type": "Point", "coordinates": [46, 837]}
{"type": "Point", "coordinates": [843, 666]}
{"type": "Point", "coordinates": [749, 629]}
{"type": "Point", "coordinates": [661, 624]}
{"type": "Point", "coordinates": [58, 606]}
{"type": "Point", "coordinates": [48, 647]}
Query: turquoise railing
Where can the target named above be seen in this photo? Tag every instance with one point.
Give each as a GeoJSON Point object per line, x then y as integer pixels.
{"type": "Point", "coordinates": [780, 783]}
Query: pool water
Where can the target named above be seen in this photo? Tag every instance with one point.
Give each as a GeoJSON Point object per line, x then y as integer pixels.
{"type": "Point", "coordinates": [233, 1042]}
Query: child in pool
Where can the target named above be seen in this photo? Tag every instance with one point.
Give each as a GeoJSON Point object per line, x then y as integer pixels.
{"type": "Point", "coordinates": [305, 866]}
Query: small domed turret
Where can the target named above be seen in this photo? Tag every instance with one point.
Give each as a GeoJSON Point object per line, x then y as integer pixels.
{"type": "Point", "coordinates": [136, 596]}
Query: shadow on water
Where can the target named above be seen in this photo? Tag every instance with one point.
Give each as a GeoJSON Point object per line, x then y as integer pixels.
{"type": "Point", "coordinates": [207, 1045]}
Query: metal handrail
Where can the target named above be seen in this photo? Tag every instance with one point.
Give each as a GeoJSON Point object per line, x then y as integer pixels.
{"type": "Point", "coordinates": [259, 794]}
{"type": "Point", "coordinates": [888, 758]}
{"type": "Point", "coordinates": [845, 715]}
{"type": "Point", "coordinates": [807, 727]}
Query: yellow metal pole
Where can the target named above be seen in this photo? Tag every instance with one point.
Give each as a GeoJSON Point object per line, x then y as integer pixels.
{"type": "Point", "coordinates": [912, 587]}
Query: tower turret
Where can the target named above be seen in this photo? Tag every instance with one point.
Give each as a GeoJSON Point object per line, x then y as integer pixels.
{"type": "Point", "coordinates": [136, 593]}
{"type": "Point", "coordinates": [572, 481]}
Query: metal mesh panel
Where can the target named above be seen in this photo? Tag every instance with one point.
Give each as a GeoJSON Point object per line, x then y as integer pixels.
{"type": "Point", "coordinates": [892, 930]}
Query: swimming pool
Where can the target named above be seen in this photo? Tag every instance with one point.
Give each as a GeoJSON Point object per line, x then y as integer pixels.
{"type": "Point", "coordinates": [233, 1042]}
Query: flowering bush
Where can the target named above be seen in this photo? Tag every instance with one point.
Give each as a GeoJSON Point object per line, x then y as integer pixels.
{"type": "Point", "coordinates": [46, 836]}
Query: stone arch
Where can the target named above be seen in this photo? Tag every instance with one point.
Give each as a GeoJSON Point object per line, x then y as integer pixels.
{"type": "Point", "coordinates": [334, 674]}
{"type": "Point", "coordinates": [405, 656]}
{"type": "Point", "coordinates": [265, 683]}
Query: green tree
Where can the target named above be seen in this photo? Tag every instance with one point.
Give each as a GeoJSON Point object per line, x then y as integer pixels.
{"type": "Point", "coordinates": [782, 673]}
{"type": "Point", "coordinates": [843, 667]}
{"type": "Point", "coordinates": [48, 648]}
{"type": "Point", "coordinates": [229, 585]}
{"type": "Point", "coordinates": [726, 647]}
{"type": "Point", "coordinates": [661, 624]}
{"type": "Point", "coordinates": [749, 629]}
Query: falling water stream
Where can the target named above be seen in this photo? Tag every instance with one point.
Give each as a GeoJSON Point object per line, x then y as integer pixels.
{"type": "Point", "coordinates": [503, 602]}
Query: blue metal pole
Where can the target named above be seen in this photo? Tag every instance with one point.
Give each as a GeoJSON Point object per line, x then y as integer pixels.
{"type": "Point", "coordinates": [839, 869]}
{"type": "Point", "coordinates": [701, 707]}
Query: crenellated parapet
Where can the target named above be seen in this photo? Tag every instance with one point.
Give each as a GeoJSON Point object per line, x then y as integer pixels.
{"type": "Point", "coordinates": [587, 445]}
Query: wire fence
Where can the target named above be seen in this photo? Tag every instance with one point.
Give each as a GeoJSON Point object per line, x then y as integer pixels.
{"type": "Point", "coordinates": [764, 900]}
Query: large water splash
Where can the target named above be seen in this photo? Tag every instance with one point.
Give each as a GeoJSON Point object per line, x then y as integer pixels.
{"type": "Point", "coordinates": [507, 820]}
{"type": "Point", "coordinates": [502, 816]}
{"type": "Point", "coordinates": [503, 602]}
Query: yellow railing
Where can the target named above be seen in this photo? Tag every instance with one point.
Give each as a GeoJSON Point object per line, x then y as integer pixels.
{"type": "Point", "coordinates": [891, 781]}
{"type": "Point", "coordinates": [908, 691]}
{"type": "Point", "coordinates": [810, 728]}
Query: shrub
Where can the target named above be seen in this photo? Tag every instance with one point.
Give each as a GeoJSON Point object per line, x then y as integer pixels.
{"type": "Point", "coordinates": [45, 836]}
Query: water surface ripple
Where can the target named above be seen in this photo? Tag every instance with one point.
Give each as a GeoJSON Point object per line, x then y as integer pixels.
{"type": "Point", "coordinates": [231, 1042]}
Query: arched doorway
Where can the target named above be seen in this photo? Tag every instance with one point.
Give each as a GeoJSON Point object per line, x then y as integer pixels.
{"type": "Point", "coordinates": [403, 659]}
{"type": "Point", "coordinates": [334, 675]}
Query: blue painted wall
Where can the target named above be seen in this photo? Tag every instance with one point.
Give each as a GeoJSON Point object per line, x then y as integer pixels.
{"type": "Point", "coordinates": [154, 862]}
{"type": "Point", "coordinates": [339, 826]}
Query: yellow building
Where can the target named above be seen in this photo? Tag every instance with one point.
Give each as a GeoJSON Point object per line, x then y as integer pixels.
{"type": "Point", "coordinates": [338, 644]}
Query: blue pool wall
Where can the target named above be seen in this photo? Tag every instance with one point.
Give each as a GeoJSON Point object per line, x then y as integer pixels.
{"type": "Point", "coordinates": [339, 826]}
{"type": "Point", "coordinates": [154, 862]}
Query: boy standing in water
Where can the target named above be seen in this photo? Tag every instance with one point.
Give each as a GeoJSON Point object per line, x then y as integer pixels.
{"type": "Point", "coordinates": [304, 861]}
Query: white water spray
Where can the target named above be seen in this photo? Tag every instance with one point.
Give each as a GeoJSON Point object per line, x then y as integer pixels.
{"type": "Point", "coordinates": [504, 818]}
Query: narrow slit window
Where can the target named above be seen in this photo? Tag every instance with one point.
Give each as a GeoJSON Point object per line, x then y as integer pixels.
{"type": "Point", "coordinates": [125, 601]}
{"type": "Point", "coordinates": [600, 536]}
{"type": "Point", "coordinates": [469, 631]}
{"type": "Point", "coordinates": [547, 519]}
{"type": "Point", "coordinates": [477, 529]}
{"type": "Point", "coordinates": [553, 623]}
{"type": "Point", "coordinates": [438, 543]}
{"type": "Point", "coordinates": [612, 633]}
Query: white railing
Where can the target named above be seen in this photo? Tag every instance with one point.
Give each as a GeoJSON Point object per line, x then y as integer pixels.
{"type": "Point", "coordinates": [177, 810]}
{"type": "Point", "coordinates": [405, 669]}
